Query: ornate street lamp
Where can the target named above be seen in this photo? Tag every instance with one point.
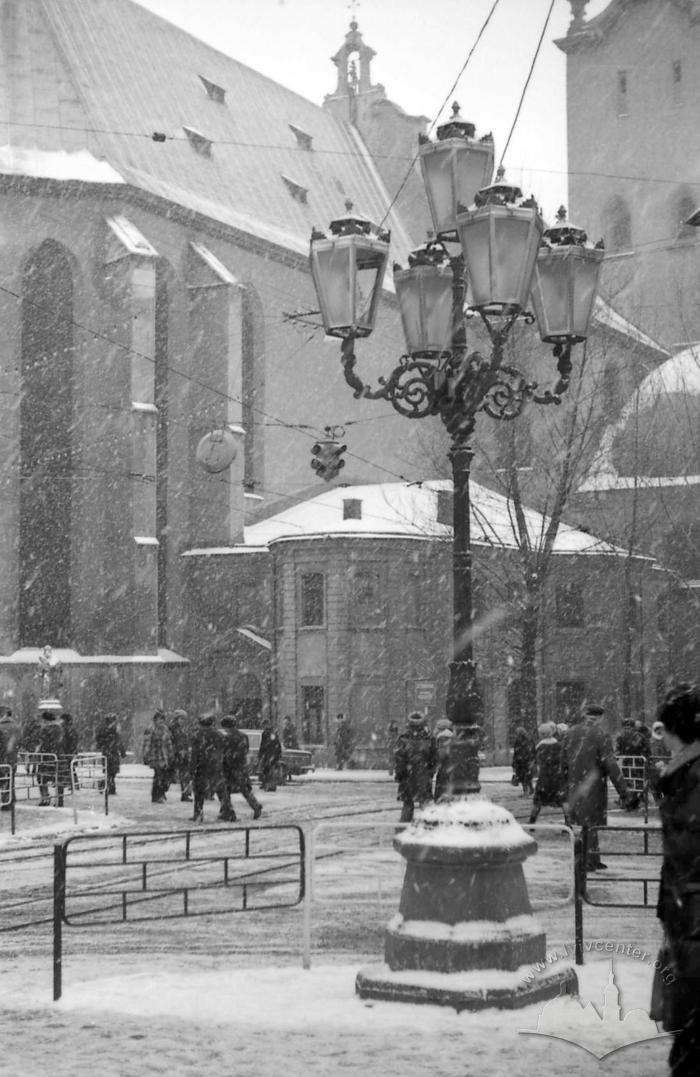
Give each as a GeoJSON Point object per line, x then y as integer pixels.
{"type": "Point", "coordinates": [505, 253]}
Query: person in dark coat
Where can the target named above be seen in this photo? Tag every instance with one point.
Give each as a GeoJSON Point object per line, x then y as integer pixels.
{"type": "Point", "coordinates": [678, 906]}
{"type": "Point", "coordinates": [269, 755]}
{"type": "Point", "coordinates": [548, 775]}
{"type": "Point", "coordinates": [523, 759]}
{"type": "Point", "coordinates": [630, 741]}
{"type": "Point", "coordinates": [415, 761]}
{"type": "Point", "coordinates": [181, 753]}
{"type": "Point", "coordinates": [236, 774]}
{"type": "Point", "coordinates": [207, 768]}
{"type": "Point", "coordinates": [9, 746]}
{"type": "Point", "coordinates": [289, 733]}
{"type": "Point", "coordinates": [108, 743]}
{"type": "Point", "coordinates": [443, 775]}
{"type": "Point", "coordinates": [70, 746]}
{"type": "Point", "coordinates": [51, 743]}
{"type": "Point", "coordinates": [344, 742]}
{"type": "Point", "coordinates": [158, 754]}
{"type": "Point", "coordinates": [588, 760]}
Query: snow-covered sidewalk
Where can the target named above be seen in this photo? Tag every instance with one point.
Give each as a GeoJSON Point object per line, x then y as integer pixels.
{"type": "Point", "coordinates": [173, 1015]}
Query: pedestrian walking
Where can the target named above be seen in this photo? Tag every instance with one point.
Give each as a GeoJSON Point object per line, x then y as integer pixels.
{"type": "Point", "coordinates": [51, 744]}
{"type": "Point", "coordinates": [588, 761]}
{"type": "Point", "coordinates": [207, 768]}
{"type": "Point", "coordinates": [70, 748]}
{"type": "Point", "coordinates": [444, 735]}
{"type": "Point", "coordinates": [108, 742]}
{"type": "Point", "coordinates": [523, 760]}
{"type": "Point", "coordinates": [344, 742]}
{"type": "Point", "coordinates": [158, 754]}
{"type": "Point", "coordinates": [235, 762]}
{"type": "Point", "coordinates": [269, 755]}
{"type": "Point", "coordinates": [290, 738]}
{"type": "Point", "coordinates": [549, 791]}
{"type": "Point", "coordinates": [181, 753]}
{"type": "Point", "coordinates": [9, 746]}
{"type": "Point", "coordinates": [678, 905]}
{"type": "Point", "coordinates": [414, 765]}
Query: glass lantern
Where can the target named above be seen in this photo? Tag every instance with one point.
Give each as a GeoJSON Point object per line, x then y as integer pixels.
{"type": "Point", "coordinates": [424, 292]}
{"type": "Point", "coordinates": [454, 168]}
{"type": "Point", "coordinates": [565, 282]}
{"type": "Point", "coordinates": [348, 273]}
{"type": "Point", "coordinates": [500, 237]}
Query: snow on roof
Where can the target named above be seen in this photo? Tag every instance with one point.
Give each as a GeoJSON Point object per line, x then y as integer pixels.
{"type": "Point", "coordinates": [680, 374]}
{"type": "Point", "coordinates": [604, 314]}
{"type": "Point", "coordinates": [410, 510]}
{"type": "Point", "coordinates": [56, 164]}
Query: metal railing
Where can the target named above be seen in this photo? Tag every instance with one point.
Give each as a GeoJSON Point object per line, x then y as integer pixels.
{"type": "Point", "coordinates": [148, 875]}
{"type": "Point", "coordinates": [612, 891]}
{"type": "Point", "coordinates": [635, 771]}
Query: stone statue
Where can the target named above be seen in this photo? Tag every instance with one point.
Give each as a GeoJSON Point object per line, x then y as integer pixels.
{"type": "Point", "coordinates": [50, 671]}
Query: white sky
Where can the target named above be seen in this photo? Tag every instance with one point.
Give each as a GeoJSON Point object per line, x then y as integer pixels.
{"type": "Point", "coordinates": [421, 46]}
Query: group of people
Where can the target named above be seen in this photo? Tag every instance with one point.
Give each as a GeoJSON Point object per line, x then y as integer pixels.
{"type": "Point", "coordinates": [421, 762]}
{"type": "Point", "coordinates": [207, 760]}
{"type": "Point", "coordinates": [53, 735]}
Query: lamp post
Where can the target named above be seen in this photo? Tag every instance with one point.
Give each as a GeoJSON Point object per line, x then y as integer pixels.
{"type": "Point", "coordinates": [490, 237]}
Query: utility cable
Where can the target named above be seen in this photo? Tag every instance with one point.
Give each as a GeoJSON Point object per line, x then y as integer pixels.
{"type": "Point", "coordinates": [527, 83]}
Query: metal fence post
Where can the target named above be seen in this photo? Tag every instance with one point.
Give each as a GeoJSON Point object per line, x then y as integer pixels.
{"type": "Point", "coordinates": [310, 853]}
{"type": "Point", "coordinates": [60, 856]}
{"type": "Point", "coordinates": [579, 889]}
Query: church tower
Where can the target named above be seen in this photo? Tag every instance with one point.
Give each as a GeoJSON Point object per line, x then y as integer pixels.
{"type": "Point", "coordinates": [633, 83]}
{"type": "Point", "coordinates": [389, 134]}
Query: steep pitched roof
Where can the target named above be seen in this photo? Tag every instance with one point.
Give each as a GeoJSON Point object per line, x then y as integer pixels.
{"type": "Point", "coordinates": [104, 75]}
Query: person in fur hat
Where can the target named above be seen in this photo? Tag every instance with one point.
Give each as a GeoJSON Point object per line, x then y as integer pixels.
{"type": "Point", "coordinates": [414, 765]}
{"type": "Point", "coordinates": [548, 788]}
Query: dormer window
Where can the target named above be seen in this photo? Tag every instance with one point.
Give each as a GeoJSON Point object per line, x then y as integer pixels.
{"type": "Point", "coordinates": [297, 191]}
{"type": "Point", "coordinates": [214, 92]}
{"type": "Point", "coordinates": [305, 140]}
{"type": "Point", "coordinates": [198, 141]}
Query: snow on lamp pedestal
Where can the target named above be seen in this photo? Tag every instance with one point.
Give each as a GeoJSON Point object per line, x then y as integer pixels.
{"type": "Point", "coordinates": [465, 935]}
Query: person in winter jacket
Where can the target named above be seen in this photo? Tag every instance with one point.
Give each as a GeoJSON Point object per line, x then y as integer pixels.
{"type": "Point", "coordinates": [392, 739]}
{"type": "Point", "coordinates": [70, 746]}
{"type": "Point", "coordinates": [344, 742]}
{"type": "Point", "coordinates": [181, 753]}
{"type": "Point", "coordinates": [444, 735]}
{"type": "Point", "coordinates": [269, 755]}
{"type": "Point", "coordinates": [678, 906]}
{"type": "Point", "coordinates": [108, 743]}
{"type": "Point", "coordinates": [236, 773]}
{"type": "Point", "coordinates": [207, 766]}
{"type": "Point", "coordinates": [523, 759]}
{"type": "Point", "coordinates": [289, 733]}
{"type": "Point", "coordinates": [9, 746]}
{"type": "Point", "coordinates": [414, 765]}
{"type": "Point", "coordinates": [588, 760]}
{"type": "Point", "coordinates": [548, 784]}
{"type": "Point", "coordinates": [51, 743]}
{"type": "Point", "coordinates": [631, 741]}
{"type": "Point", "coordinates": [158, 754]}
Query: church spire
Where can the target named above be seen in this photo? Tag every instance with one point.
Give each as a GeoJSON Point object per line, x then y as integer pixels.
{"type": "Point", "coordinates": [353, 61]}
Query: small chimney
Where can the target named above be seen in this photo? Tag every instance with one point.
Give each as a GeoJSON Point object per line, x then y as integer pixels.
{"type": "Point", "coordinates": [352, 508]}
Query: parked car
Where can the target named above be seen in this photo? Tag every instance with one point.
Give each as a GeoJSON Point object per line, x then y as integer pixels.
{"type": "Point", "coordinates": [294, 761]}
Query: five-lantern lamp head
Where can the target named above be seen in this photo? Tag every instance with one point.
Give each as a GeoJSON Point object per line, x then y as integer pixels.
{"type": "Point", "coordinates": [509, 258]}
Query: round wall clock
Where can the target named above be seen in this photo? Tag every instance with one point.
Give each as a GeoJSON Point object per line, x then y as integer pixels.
{"type": "Point", "coordinates": [217, 450]}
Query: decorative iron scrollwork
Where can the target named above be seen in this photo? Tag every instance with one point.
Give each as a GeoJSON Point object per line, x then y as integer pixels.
{"type": "Point", "coordinates": [508, 395]}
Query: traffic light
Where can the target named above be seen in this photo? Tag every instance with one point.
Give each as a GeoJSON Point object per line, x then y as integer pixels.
{"type": "Point", "coordinates": [327, 458]}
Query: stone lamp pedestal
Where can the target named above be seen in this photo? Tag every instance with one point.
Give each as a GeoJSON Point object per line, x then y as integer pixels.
{"type": "Point", "coordinates": [465, 935]}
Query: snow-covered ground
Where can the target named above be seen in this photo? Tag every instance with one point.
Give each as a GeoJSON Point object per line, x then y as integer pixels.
{"type": "Point", "coordinates": [168, 1014]}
